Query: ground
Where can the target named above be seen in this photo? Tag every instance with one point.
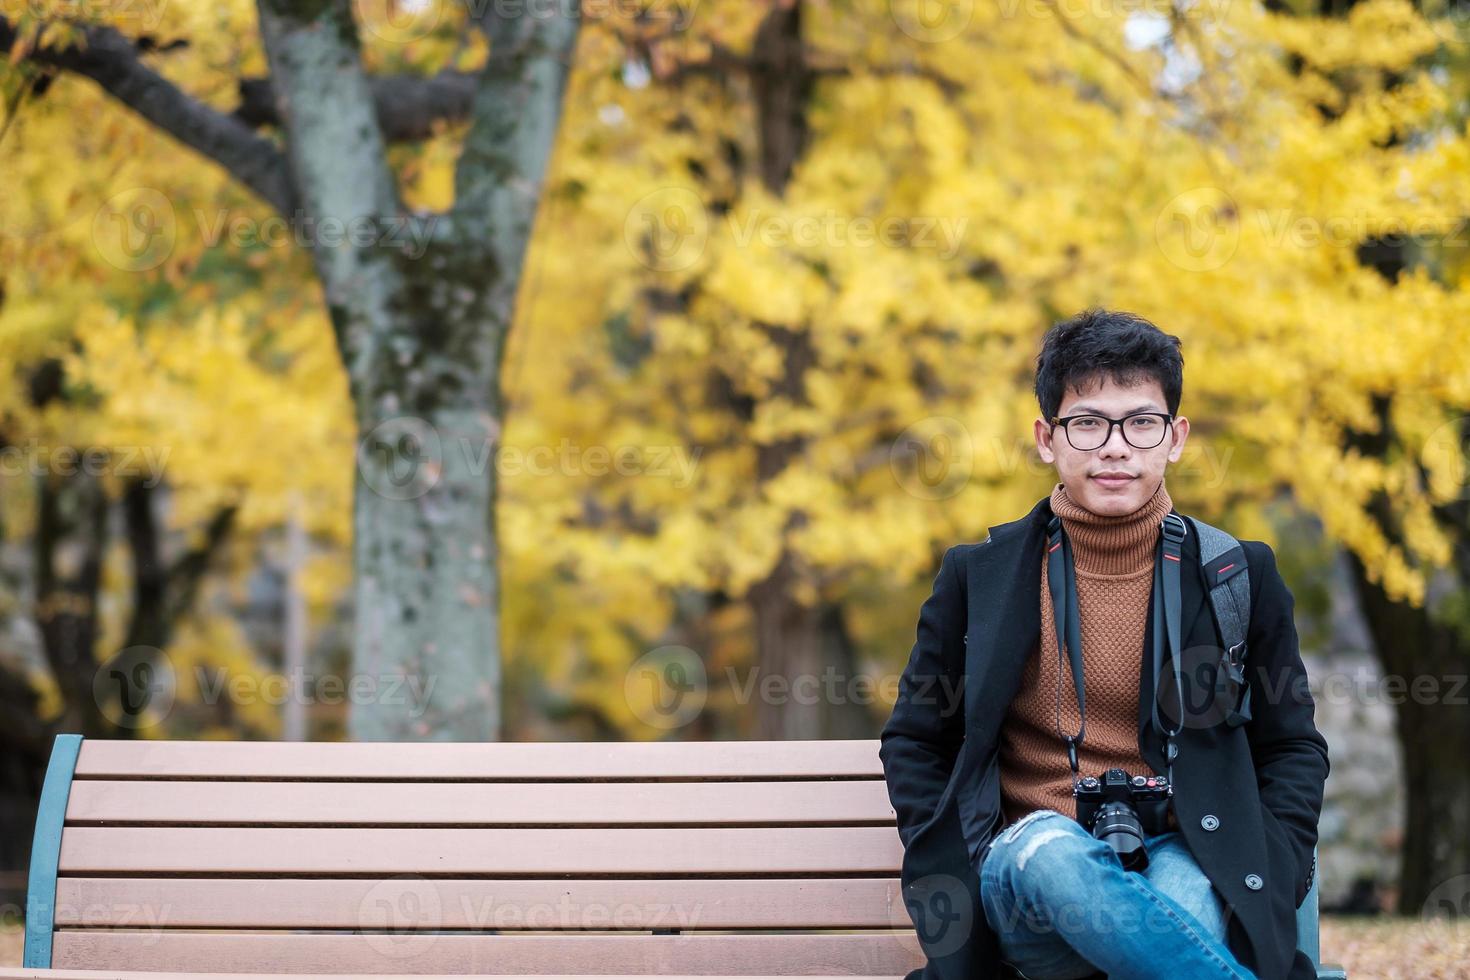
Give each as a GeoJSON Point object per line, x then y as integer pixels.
{"type": "Point", "coordinates": [1391, 948]}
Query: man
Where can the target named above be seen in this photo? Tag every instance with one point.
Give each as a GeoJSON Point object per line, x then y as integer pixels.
{"type": "Point", "coordinates": [998, 872]}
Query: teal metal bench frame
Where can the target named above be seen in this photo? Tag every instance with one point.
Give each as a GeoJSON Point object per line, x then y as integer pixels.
{"type": "Point", "coordinates": [46, 850]}
{"type": "Point", "coordinates": [1307, 938]}
{"type": "Point", "coordinates": [51, 818]}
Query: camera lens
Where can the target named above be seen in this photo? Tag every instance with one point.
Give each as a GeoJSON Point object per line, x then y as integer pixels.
{"type": "Point", "coordinates": [1117, 824]}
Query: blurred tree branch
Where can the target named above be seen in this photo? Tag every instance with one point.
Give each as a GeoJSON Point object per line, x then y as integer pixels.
{"type": "Point", "coordinates": [113, 61]}
{"type": "Point", "coordinates": [407, 105]}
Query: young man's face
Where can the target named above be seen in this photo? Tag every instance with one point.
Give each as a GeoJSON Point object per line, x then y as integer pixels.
{"type": "Point", "coordinates": [1084, 472]}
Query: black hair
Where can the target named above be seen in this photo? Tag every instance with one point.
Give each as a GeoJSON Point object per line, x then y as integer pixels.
{"type": "Point", "coordinates": [1099, 344]}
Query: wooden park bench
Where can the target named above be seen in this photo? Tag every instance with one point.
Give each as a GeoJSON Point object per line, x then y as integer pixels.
{"type": "Point", "coordinates": [452, 858]}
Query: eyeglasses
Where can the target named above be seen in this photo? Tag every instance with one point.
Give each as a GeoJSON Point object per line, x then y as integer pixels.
{"type": "Point", "coordinates": [1144, 430]}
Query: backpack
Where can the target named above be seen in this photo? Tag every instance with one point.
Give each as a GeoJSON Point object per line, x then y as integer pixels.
{"type": "Point", "coordinates": [1222, 561]}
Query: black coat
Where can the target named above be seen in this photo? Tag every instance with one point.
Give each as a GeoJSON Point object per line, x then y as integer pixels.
{"type": "Point", "coordinates": [1262, 781]}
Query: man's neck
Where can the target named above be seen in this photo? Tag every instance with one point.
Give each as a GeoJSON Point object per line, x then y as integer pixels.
{"type": "Point", "coordinates": [1112, 544]}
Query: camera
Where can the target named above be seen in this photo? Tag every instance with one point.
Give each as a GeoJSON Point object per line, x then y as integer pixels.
{"type": "Point", "coordinates": [1119, 809]}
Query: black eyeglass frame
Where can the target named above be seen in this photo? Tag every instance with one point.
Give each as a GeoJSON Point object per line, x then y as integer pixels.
{"type": "Point", "coordinates": [1168, 418]}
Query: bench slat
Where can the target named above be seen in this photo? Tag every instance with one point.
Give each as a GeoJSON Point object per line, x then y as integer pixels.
{"type": "Point", "coordinates": [865, 954]}
{"type": "Point", "coordinates": [518, 903]}
{"type": "Point", "coordinates": [630, 851]}
{"type": "Point", "coordinates": [426, 804]}
{"type": "Point", "coordinates": [21, 973]}
{"type": "Point", "coordinates": [808, 759]}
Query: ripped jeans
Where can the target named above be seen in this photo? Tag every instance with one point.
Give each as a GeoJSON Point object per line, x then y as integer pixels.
{"type": "Point", "coordinates": [1063, 907]}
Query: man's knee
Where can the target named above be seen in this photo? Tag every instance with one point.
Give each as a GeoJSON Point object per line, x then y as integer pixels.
{"type": "Point", "coordinates": [1037, 867]}
{"type": "Point", "coordinates": [1042, 844]}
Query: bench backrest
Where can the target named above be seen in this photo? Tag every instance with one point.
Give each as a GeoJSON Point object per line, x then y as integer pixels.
{"type": "Point", "coordinates": [450, 858]}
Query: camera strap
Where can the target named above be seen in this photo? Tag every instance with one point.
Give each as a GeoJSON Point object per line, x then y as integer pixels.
{"type": "Point", "coordinates": [1063, 586]}
{"type": "Point", "coordinates": [1167, 614]}
{"type": "Point", "coordinates": [1167, 626]}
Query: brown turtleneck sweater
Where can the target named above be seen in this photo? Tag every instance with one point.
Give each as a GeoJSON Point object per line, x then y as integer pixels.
{"type": "Point", "coordinates": [1114, 562]}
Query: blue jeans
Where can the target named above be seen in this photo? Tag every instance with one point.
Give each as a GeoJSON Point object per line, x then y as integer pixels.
{"type": "Point", "coordinates": [1064, 908]}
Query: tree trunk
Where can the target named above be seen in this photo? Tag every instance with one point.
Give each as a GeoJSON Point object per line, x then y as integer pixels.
{"type": "Point", "coordinates": [71, 533]}
{"type": "Point", "coordinates": [421, 311]}
{"type": "Point", "coordinates": [1427, 659]}
{"type": "Point", "coordinates": [164, 594]}
{"type": "Point", "coordinates": [807, 657]}
{"type": "Point", "coordinates": [427, 625]}
{"type": "Point", "coordinates": [806, 647]}
{"type": "Point", "coordinates": [1434, 729]}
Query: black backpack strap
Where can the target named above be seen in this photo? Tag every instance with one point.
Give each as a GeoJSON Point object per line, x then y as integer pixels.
{"type": "Point", "coordinates": [1223, 563]}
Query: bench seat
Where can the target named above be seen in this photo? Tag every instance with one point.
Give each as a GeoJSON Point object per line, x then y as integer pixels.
{"type": "Point", "coordinates": [708, 859]}
{"type": "Point", "coordinates": [543, 858]}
